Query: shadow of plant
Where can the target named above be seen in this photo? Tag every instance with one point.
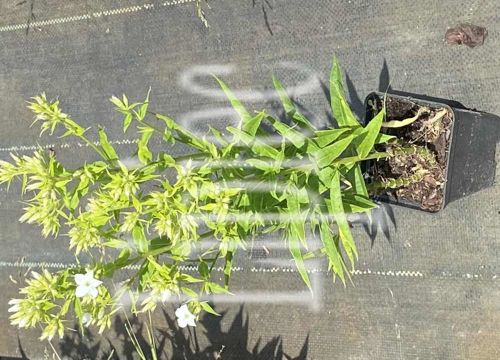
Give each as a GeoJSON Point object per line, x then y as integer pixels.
{"type": "Point", "coordinates": [225, 345]}
{"type": "Point", "coordinates": [175, 343]}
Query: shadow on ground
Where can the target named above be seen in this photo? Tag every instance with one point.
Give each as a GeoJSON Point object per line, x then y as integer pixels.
{"type": "Point", "coordinates": [175, 343]}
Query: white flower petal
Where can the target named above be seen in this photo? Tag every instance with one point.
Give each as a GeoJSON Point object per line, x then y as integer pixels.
{"type": "Point", "coordinates": [14, 308]}
{"type": "Point", "coordinates": [95, 283]}
{"type": "Point", "coordinates": [191, 321]}
{"type": "Point", "coordinates": [89, 275]}
{"type": "Point", "coordinates": [93, 292]}
{"type": "Point", "coordinates": [180, 311]}
{"type": "Point", "coordinates": [79, 278]}
{"type": "Point", "coordinates": [86, 319]}
{"type": "Point", "coordinates": [185, 317]}
{"type": "Point", "coordinates": [81, 291]}
{"type": "Point", "coordinates": [181, 322]}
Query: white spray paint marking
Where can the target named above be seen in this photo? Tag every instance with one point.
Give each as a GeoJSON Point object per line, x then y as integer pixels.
{"type": "Point", "coordinates": [94, 15]}
{"type": "Point", "coordinates": [189, 81]}
{"type": "Point", "coordinates": [18, 148]}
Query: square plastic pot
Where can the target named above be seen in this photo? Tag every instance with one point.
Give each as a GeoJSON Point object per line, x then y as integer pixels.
{"type": "Point", "coordinates": [470, 160]}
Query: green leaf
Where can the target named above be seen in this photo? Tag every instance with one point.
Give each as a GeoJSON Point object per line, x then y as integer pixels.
{"type": "Point", "coordinates": [143, 108]}
{"type": "Point", "coordinates": [228, 268]}
{"type": "Point", "coordinates": [78, 309]}
{"type": "Point", "coordinates": [296, 217]}
{"type": "Point", "coordinates": [325, 175]}
{"type": "Point", "coordinates": [294, 246]}
{"type": "Point", "coordinates": [205, 306]}
{"type": "Point", "coordinates": [384, 138]}
{"type": "Point", "coordinates": [108, 149]}
{"type": "Point", "coordinates": [337, 210]}
{"type": "Point", "coordinates": [218, 135]}
{"type": "Point", "coordinates": [296, 235]}
{"type": "Point", "coordinates": [217, 289]}
{"type": "Point", "coordinates": [357, 181]}
{"type": "Point", "coordinates": [183, 134]}
{"type": "Point", "coordinates": [118, 103]}
{"type": "Point", "coordinates": [245, 117]}
{"type": "Point", "coordinates": [326, 137]}
{"type": "Point", "coordinates": [371, 133]}
{"type": "Point", "coordinates": [252, 125]}
{"type": "Point", "coordinates": [326, 155]}
{"type": "Point", "coordinates": [336, 263]}
{"type": "Point", "coordinates": [266, 166]}
{"type": "Point", "coordinates": [127, 120]}
{"type": "Point", "coordinates": [203, 269]}
{"type": "Point", "coordinates": [354, 203]}
{"type": "Point", "coordinates": [340, 108]}
{"type": "Point", "coordinates": [257, 146]}
{"type": "Point", "coordinates": [189, 292]}
{"type": "Point", "coordinates": [190, 279]}
{"type": "Point", "coordinates": [116, 244]}
{"type": "Point", "coordinates": [143, 152]}
{"type": "Point", "coordinates": [296, 138]}
{"type": "Point", "coordinates": [140, 238]}
{"type": "Point", "coordinates": [289, 106]}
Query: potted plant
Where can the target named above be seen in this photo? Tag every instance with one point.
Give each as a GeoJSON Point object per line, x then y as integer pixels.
{"type": "Point", "coordinates": [166, 215]}
{"type": "Point", "coordinates": [450, 150]}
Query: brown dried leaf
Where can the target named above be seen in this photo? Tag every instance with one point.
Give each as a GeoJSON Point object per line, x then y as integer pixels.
{"type": "Point", "coordinates": [467, 34]}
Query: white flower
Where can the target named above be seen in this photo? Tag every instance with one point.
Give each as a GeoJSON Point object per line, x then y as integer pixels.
{"type": "Point", "coordinates": [184, 317]}
{"type": "Point", "coordinates": [15, 305]}
{"type": "Point", "coordinates": [86, 319]}
{"type": "Point", "coordinates": [87, 284]}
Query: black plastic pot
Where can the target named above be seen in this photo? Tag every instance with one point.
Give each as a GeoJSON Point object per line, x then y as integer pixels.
{"type": "Point", "coordinates": [471, 162]}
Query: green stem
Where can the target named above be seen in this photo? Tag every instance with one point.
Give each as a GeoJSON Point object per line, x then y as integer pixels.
{"type": "Point", "coordinates": [70, 126]}
{"type": "Point", "coordinates": [397, 183]}
{"type": "Point", "coordinates": [93, 146]}
{"type": "Point", "coordinates": [351, 159]}
{"type": "Point", "coordinates": [213, 263]}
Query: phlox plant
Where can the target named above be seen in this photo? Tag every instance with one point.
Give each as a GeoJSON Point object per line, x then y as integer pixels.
{"type": "Point", "coordinates": [133, 229]}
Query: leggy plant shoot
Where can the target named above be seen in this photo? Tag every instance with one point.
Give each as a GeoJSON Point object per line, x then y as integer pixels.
{"type": "Point", "coordinates": [134, 229]}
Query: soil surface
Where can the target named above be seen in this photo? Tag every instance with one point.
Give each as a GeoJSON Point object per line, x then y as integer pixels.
{"type": "Point", "coordinates": [417, 174]}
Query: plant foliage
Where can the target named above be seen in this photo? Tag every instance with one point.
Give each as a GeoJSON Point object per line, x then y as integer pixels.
{"type": "Point", "coordinates": [154, 218]}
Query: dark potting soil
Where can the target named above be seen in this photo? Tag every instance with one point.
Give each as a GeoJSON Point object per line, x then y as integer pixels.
{"type": "Point", "coordinates": [423, 170]}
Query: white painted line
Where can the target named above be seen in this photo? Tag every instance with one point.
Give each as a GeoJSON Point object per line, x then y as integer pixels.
{"type": "Point", "coordinates": [94, 15]}
{"type": "Point", "coordinates": [389, 273]}
{"type": "Point", "coordinates": [15, 148]}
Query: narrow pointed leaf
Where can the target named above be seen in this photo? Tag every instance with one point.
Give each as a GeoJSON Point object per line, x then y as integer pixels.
{"type": "Point", "coordinates": [294, 247]}
{"type": "Point", "coordinates": [372, 131]}
{"type": "Point", "coordinates": [326, 155]}
{"type": "Point", "coordinates": [108, 149]}
{"type": "Point", "coordinates": [253, 124]}
{"type": "Point", "coordinates": [236, 104]}
{"type": "Point", "coordinates": [326, 137]}
{"type": "Point", "coordinates": [337, 209]}
{"type": "Point", "coordinates": [289, 106]}
{"type": "Point", "coordinates": [383, 138]}
{"type": "Point", "coordinates": [331, 250]}
{"type": "Point", "coordinates": [227, 268]}
{"type": "Point", "coordinates": [340, 108]}
{"type": "Point", "coordinates": [296, 138]}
